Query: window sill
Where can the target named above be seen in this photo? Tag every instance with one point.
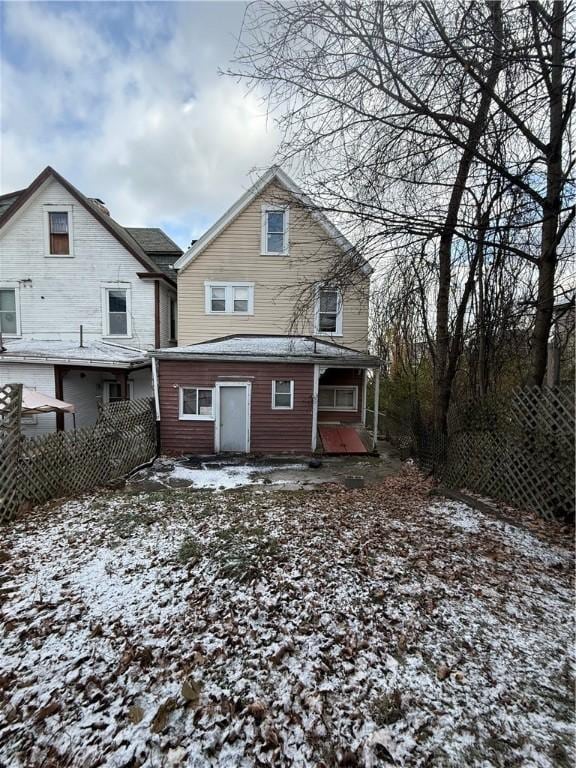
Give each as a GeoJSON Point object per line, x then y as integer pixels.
{"type": "Point", "coordinates": [275, 253]}
{"type": "Point", "coordinates": [58, 255]}
{"type": "Point", "coordinates": [328, 333]}
{"type": "Point", "coordinates": [195, 418]}
{"type": "Point", "coordinates": [282, 408]}
{"type": "Point", "coordinates": [230, 314]}
{"type": "Point", "coordinates": [116, 336]}
{"type": "Point", "coordinates": [339, 410]}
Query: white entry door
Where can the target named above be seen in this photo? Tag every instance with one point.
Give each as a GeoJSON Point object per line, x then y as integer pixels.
{"type": "Point", "coordinates": [233, 418]}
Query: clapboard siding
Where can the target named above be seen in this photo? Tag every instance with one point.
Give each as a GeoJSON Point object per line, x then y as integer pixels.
{"type": "Point", "coordinates": [165, 296]}
{"type": "Point", "coordinates": [279, 280]}
{"type": "Point", "coordinates": [272, 431]}
{"type": "Point", "coordinates": [339, 378]}
{"type": "Point", "coordinates": [57, 295]}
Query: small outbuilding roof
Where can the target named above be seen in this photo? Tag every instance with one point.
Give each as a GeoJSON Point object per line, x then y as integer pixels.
{"type": "Point", "coordinates": [273, 348]}
{"type": "Point", "coordinates": [90, 354]}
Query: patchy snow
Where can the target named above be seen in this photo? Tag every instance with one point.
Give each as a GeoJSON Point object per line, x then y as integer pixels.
{"type": "Point", "coordinates": [222, 477]}
{"type": "Point", "coordinates": [337, 627]}
{"type": "Point", "coordinates": [92, 351]}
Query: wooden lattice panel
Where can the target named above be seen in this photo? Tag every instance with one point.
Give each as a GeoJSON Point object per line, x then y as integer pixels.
{"type": "Point", "coordinates": [520, 450]}
{"type": "Point", "coordinates": [66, 463]}
{"type": "Point", "coordinates": [10, 415]}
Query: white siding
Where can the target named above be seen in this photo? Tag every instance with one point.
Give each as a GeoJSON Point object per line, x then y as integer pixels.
{"type": "Point", "coordinates": [82, 388]}
{"type": "Point", "coordinates": [39, 377]}
{"type": "Point", "coordinates": [58, 294]}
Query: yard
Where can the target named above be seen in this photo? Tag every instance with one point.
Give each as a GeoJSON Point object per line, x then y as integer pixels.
{"type": "Point", "coordinates": [249, 627]}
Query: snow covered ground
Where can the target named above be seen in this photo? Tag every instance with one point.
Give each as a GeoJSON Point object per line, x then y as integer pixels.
{"type": "Point", "coordinates": [333, 627]}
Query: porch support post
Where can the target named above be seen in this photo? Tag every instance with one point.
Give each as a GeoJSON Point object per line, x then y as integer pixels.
{"type": "Point", "coordinates": [59, 395]}
{"type": "Point", "coordinates": [364, 393]}
{"type": "Point", "coordinates": [315, 407]}
{"type": "Point", "coordinates": [122, 377]}
{"type": "Point", "coordinates": [376, 407]}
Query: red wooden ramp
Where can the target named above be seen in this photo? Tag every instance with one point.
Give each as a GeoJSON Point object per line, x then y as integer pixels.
{"type": "Point", "coordinates": [341, 440]}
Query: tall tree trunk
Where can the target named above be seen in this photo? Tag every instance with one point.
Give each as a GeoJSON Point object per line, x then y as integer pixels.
{"type": "Point", "coordinates": [552, 207]}
{"type": "Point", "coordinates": [442, 382]}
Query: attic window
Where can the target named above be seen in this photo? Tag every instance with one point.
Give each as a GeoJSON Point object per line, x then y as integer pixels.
{"type": "Point", "coordinates": [274, 231]}
{"type": "Point", "coordinates": [59, 235]}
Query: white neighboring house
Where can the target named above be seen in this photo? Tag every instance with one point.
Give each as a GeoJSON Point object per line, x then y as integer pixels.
{"type": "Point", "coordinates": [81, 299]}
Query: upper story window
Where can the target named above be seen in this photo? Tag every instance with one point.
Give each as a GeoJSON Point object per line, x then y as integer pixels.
{"type": "Point", "coordinates": [116, 311]}
{"type": "Point", "coordinates": [229, 298]}
{"type": "Point", "coordinates": [329, 312]}
{"type": "Point", "coordinates": [9, 320]}
{"type": "Point", "coordinates": [58, 228]}
{"type": "Point", "coordinates": [274, 231]}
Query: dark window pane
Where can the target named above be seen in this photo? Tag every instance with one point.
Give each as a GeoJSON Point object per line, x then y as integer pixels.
{"type": "Point", "coordinates": [275, 243]}
{"type": "Point", "coordinates": [205, 402]}
{"type": "Point", "coordinates": [118, 324]}
{"type": "Point", "coordinates": [345, 398]}
{"type": "Point", "coordinates": [327, 323]}
{"type": "Point", "coordinates": [189, 397]}
{"type": "Point", "coordinates": [326, 397]}
{"type": "Point", "coordinates": [275, 222]}
{"type": "Point", "coordinates": [7, 300]}
{"type": "Point", "coordinates": [117, 301]}
{"type": "Point", "coordinates": [328, 301]}
{"type": "Point", "coordinates": [8, 322]}
{"type": "Point", "coordinates": [283, 387]}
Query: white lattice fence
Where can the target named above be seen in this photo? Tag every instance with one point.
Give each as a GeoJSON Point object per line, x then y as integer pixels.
{"type": "Point", "coordinates": [10, 414]}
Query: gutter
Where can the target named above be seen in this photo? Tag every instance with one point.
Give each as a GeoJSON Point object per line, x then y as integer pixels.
{"type": "Point", "coordinates": [86, 362]}
{"type": "Point", "coordinates": [329, 362]}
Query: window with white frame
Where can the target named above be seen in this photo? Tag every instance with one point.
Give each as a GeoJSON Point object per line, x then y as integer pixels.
{"type": "Point", "coordinates": [117, 320]}
{"type": "Point", "coordinates": [196, 403]}
{"type": "Point", "coordinates": [329, 312]}
{"type": "Point", "coordinates": [338, 398]}
{"type": "Point", "coordinates": [274, 231]}
{"type": "Point", "coordinates": [112, 391]}
{"type": "Point", "coordinates": [283, 394]}
{"type": "Point", "coordinates": [58, 230]}
{"type": "Point", "coordinates": [229, 298]}
{"type": "Point", "coordinates": [9, 320]}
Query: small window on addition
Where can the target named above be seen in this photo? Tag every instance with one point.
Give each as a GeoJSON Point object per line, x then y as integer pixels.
{"type": "Point", "coordinates": [282, 395]}
{"type": "Point", "coordinates": [59, 233]}
{"type": "Point", "coordinates": [196, 404]}
{"type": "Point", "coordinates": [8, 317]}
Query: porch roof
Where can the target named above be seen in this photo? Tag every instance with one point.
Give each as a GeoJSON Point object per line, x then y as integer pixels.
{"type": "Point", "coordinates": [272, 348]}
{"type": "Point", "coordinates": [92, 354]}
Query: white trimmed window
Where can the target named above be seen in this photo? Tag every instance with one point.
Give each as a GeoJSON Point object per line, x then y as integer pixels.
{"type": "Point", "coordinates": [328, 312]}
{"type": "Point", "coordinates": [112, 391]}
{"type": "Point", "coordinates": [117, 311]}
{"type": "Point", "coordinates": [283, 394]}
{"type": "Point", "coordinates": [338, 398]}
{"type": "Point", "coordinates": [58, 230]}
{"type": "Point", "coordinates": [229, 298]}
{"type": "Point", "coordinates": [9, 311]}
{"type": "Point", "coordinates": [196, 404]}
{"type": "Point", "coordinates": [274, 231]}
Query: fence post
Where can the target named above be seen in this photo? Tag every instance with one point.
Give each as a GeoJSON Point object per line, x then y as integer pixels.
{"type": "Point", "coordinates": [10, 415]}
{"type": "Point", "coordinates": [376, 408]}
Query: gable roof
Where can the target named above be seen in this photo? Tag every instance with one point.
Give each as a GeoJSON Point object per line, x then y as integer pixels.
{"type": "Point", "coordinates": [161, 249]}
{"type": "Point", "coordinates": [273, 174]}
{"type": "Point", "coordinates": [116, 230]}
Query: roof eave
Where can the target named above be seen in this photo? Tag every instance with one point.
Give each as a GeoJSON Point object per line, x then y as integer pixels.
{"type": "Point", "coordinates": [330, 362]}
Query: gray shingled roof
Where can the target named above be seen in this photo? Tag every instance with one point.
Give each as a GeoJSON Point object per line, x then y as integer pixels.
{"type": "Point", "coordinates": [159, 247]}
{"type": "Point", "coordinates": [7, 200]}
{"type": "Point", "coordinates": [273, 348]}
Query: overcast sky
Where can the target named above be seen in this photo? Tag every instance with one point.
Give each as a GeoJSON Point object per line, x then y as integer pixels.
{"type": "Point", "coordinates": [125, 101]}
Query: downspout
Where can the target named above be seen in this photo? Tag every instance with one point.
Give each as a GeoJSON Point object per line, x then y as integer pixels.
{"type": "Point", "coordinates": [156, 405]}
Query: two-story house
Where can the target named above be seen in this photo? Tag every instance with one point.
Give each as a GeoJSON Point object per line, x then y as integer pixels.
{"type": "Point", "coordinates": [81, 299]}
{"type": "Point", "coordinates": [272, 346]}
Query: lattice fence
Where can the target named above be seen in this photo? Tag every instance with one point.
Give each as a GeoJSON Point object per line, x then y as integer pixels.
{"type": "Point", "coordinates": [10, 410]}
{"type": "Point", "coordinates": [65, 463]}
{"type": "Point", "coordinates": [519, 450]}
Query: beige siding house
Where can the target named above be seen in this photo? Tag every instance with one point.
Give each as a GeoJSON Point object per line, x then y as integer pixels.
{"type": "Point", "coordinates": [272, 339]}
{"type": "Point", "coordinates": [283, 286]}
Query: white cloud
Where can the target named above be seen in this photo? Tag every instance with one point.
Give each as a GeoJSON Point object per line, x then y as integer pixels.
{"type": "Point", "coordinates": [143, 122]}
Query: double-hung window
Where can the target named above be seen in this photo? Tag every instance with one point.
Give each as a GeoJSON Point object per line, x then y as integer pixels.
{"type": "Point", "coordinates": [274, 231]}
{"type": "Point", "coordinates": [229, 298]}
{"type": "Point", "coordinates": [329, 312]}
{"type": "Point", "coordinates": [117, 310]}
{"type": "Point", "coordinates": [338, 398]}
{"type": "Point", "coordinates": [58, 230]}
{"type": "Point", "coordinates": [9, 321]}
{"type": "Point", "coordinates": [112, 391]}
{"type": "Point", "coordinates": [196, 404]}
{"type": "Point", "coordinates": [283, 394]}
